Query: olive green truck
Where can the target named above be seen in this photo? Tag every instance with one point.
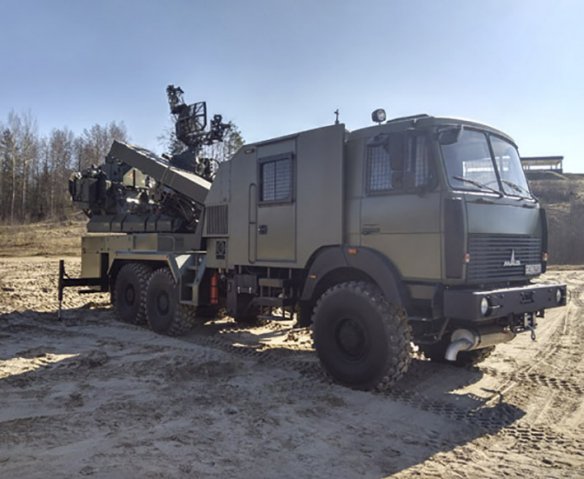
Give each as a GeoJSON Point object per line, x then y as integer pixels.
{"type": "Point", "coordinates": [417, 230]}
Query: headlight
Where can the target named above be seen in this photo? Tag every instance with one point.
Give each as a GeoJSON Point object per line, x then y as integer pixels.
{"type": "Point", "coordinates": [378, 116]}
{"type": "Point", "coordinates": [485, 306]}
{"type": "Point", "coordinates": [558, 296]}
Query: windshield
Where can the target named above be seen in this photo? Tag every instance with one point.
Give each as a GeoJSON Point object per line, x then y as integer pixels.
{"type": "Point", "coordinates": [470, 166]}
{"type": "Point", "coordinates": [509, 166]}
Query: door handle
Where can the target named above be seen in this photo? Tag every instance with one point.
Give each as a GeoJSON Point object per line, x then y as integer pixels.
{"type": "Point", "coordinates": [370, 230]}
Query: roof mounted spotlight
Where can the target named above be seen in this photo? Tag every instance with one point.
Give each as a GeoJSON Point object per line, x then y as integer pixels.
{"type": "Point", "coordinates": [378, 116]}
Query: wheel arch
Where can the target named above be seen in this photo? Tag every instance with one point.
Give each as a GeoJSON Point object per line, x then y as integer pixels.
{"type": "Point", "coordinates": [118, 264]}
{"type": "Point", "coordinates": [336, 264]}
{"type": "Point", "coordinates": [173, 262]}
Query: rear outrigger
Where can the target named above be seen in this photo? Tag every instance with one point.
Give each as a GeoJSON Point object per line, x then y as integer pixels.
{"type": "Point", "coordinates": [417, 229]}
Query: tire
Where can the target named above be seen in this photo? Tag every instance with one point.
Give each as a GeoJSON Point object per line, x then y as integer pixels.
{"type": "Point", "coordinates": [128, 293]}
{"type": "Point", "coordinates": [164, 313]}
{"type": "Point", "coordinates": [186, 317]}
{"type": "Point", "coordinates": [362, 340]}
{"type": "Point", "coordinates": [436, 353]}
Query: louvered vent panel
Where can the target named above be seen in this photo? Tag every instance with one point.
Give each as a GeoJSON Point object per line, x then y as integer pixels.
{"type": "Point", "coordinates": [217, 220]}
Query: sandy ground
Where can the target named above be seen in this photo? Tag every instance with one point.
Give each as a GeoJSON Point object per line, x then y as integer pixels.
{"type": "Point", "coordinates": [89, 396]}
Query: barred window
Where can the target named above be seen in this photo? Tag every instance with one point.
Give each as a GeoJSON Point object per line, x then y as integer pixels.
{"type": "Point", "coordinates": [419, 161]}
{"type": "Point", "coordinates": [276, 179]}
{"type": "Point", "coordinates": [398, 162]}
{"type": "Point", "coordinates": [379, 169]}
{"type": "Point", "coordinates": [384, 164]}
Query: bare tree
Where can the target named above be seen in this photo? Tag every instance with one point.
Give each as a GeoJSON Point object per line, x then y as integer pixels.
{"type": "Point", "coordinates": [60, 148]}
{"type": "Point", "coordinates": [9, 153]}
{"type": "Point", "coordinates": [28, 140]}
{"type": "Point", "coordinates": [95, 142]}
{"type": "Point", "coordinates": [223, 151]}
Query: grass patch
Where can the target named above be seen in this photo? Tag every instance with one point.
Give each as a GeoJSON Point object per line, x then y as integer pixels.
{"type": "Point", "coordinates": [42, 239]}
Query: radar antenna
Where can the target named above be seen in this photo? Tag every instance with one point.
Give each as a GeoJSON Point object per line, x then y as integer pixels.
{"type": "Point", "coordinates": [191, 130]}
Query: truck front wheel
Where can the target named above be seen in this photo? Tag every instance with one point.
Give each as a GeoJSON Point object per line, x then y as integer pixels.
{"type": "Point", "coordinates": [128, 293]}
{"type": "Point", "coordinates": [164, 312]}
{"type": "Point", "coordinates": [362, 340]}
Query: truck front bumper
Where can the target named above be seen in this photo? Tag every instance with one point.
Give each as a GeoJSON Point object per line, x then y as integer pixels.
{"type": "Point", "coordinates": [472, 305]}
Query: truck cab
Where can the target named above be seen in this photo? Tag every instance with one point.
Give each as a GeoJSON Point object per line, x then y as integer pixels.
{"type": "Point", "coordinates": [443, 197]}
{"type": "Point", "coordinates": [447, 203]}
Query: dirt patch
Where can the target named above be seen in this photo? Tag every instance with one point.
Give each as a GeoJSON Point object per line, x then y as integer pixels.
{"type": "Point", "coordinates": [89, 396]}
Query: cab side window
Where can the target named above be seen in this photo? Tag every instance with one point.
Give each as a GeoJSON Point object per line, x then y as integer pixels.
{"type": "Point", "coordinates": [384, 164]}
{"type": "Point", "coordinates": [420, 172]}
{"type": "Point", "coordinates": [398, 163]}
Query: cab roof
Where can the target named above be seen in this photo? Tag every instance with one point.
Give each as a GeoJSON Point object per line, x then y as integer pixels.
{"type": "Point", "coordinates": [425, 121]}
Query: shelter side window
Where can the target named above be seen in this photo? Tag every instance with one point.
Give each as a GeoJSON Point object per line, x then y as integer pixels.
{"type": "Point", "coordinates": [276, 179]}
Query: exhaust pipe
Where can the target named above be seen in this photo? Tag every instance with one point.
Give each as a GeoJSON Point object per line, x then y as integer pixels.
{"type": "Point", "coordinates": [461, 340]}
{"type": "Point", "coordinates": [468, 340]}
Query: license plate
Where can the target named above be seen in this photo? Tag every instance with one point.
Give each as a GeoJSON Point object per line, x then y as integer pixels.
{"type": "Point", "coordinates": [531, 269]}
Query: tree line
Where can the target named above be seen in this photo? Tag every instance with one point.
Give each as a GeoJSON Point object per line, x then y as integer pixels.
{"type": "Point", "coordinates": [34, 169]}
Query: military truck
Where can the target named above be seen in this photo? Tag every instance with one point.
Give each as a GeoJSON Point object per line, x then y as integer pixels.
{"type": "Point", "coordinates": [417, 230]}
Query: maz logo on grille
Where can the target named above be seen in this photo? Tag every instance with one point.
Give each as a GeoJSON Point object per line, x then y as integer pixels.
{"type": "Point", "coordinates": [512, 261]}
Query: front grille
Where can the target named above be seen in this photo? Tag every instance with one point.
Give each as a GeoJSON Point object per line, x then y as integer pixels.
{"type": "Point", "coordinates": [490, 253]}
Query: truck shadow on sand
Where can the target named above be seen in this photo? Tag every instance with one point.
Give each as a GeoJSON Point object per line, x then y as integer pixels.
{"type": "Point", "coordinates": [437, 388]}
{"type": "Point", "coordinates": [390, 431]}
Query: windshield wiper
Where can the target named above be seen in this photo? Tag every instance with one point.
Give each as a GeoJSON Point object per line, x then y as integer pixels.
{"type": "Point", "coordinates": [518, 188]}
{"type": "Point", "coordinates": [478, 185]}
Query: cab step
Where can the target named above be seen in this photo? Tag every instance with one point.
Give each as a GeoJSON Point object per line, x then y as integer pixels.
{"type": "Point", "coordinates": [273, 302]}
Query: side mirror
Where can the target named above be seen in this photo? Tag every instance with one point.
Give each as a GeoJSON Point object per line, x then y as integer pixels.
{"type": "Point", "coordinates": [449, 136]}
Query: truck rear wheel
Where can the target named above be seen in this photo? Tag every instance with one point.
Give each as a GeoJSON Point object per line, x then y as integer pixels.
{"type": "Point", "coordinates": [128, 293]}
{"type": "Point", "coordinates": [362, 340]}
{"type": "Point", "coordinates": [164, 312]}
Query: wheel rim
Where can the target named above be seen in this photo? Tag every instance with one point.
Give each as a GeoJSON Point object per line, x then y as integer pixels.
{"type": "Point", "coordinates": [162, 303]}
{"type": "Point", "coordinates": [130, 294]}
{"type": "Point", "coordinates": [351, 338]}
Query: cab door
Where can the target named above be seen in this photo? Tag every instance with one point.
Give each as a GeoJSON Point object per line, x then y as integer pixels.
{"type": "Point", "coordinates": [400, 206]}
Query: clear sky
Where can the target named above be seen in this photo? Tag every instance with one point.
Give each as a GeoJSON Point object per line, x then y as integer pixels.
{"type": "Point", "coordinates": [279, 66]}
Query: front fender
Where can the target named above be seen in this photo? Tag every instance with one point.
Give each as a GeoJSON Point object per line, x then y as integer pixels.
{"type": "Point", "coordinates": [366, 261]}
